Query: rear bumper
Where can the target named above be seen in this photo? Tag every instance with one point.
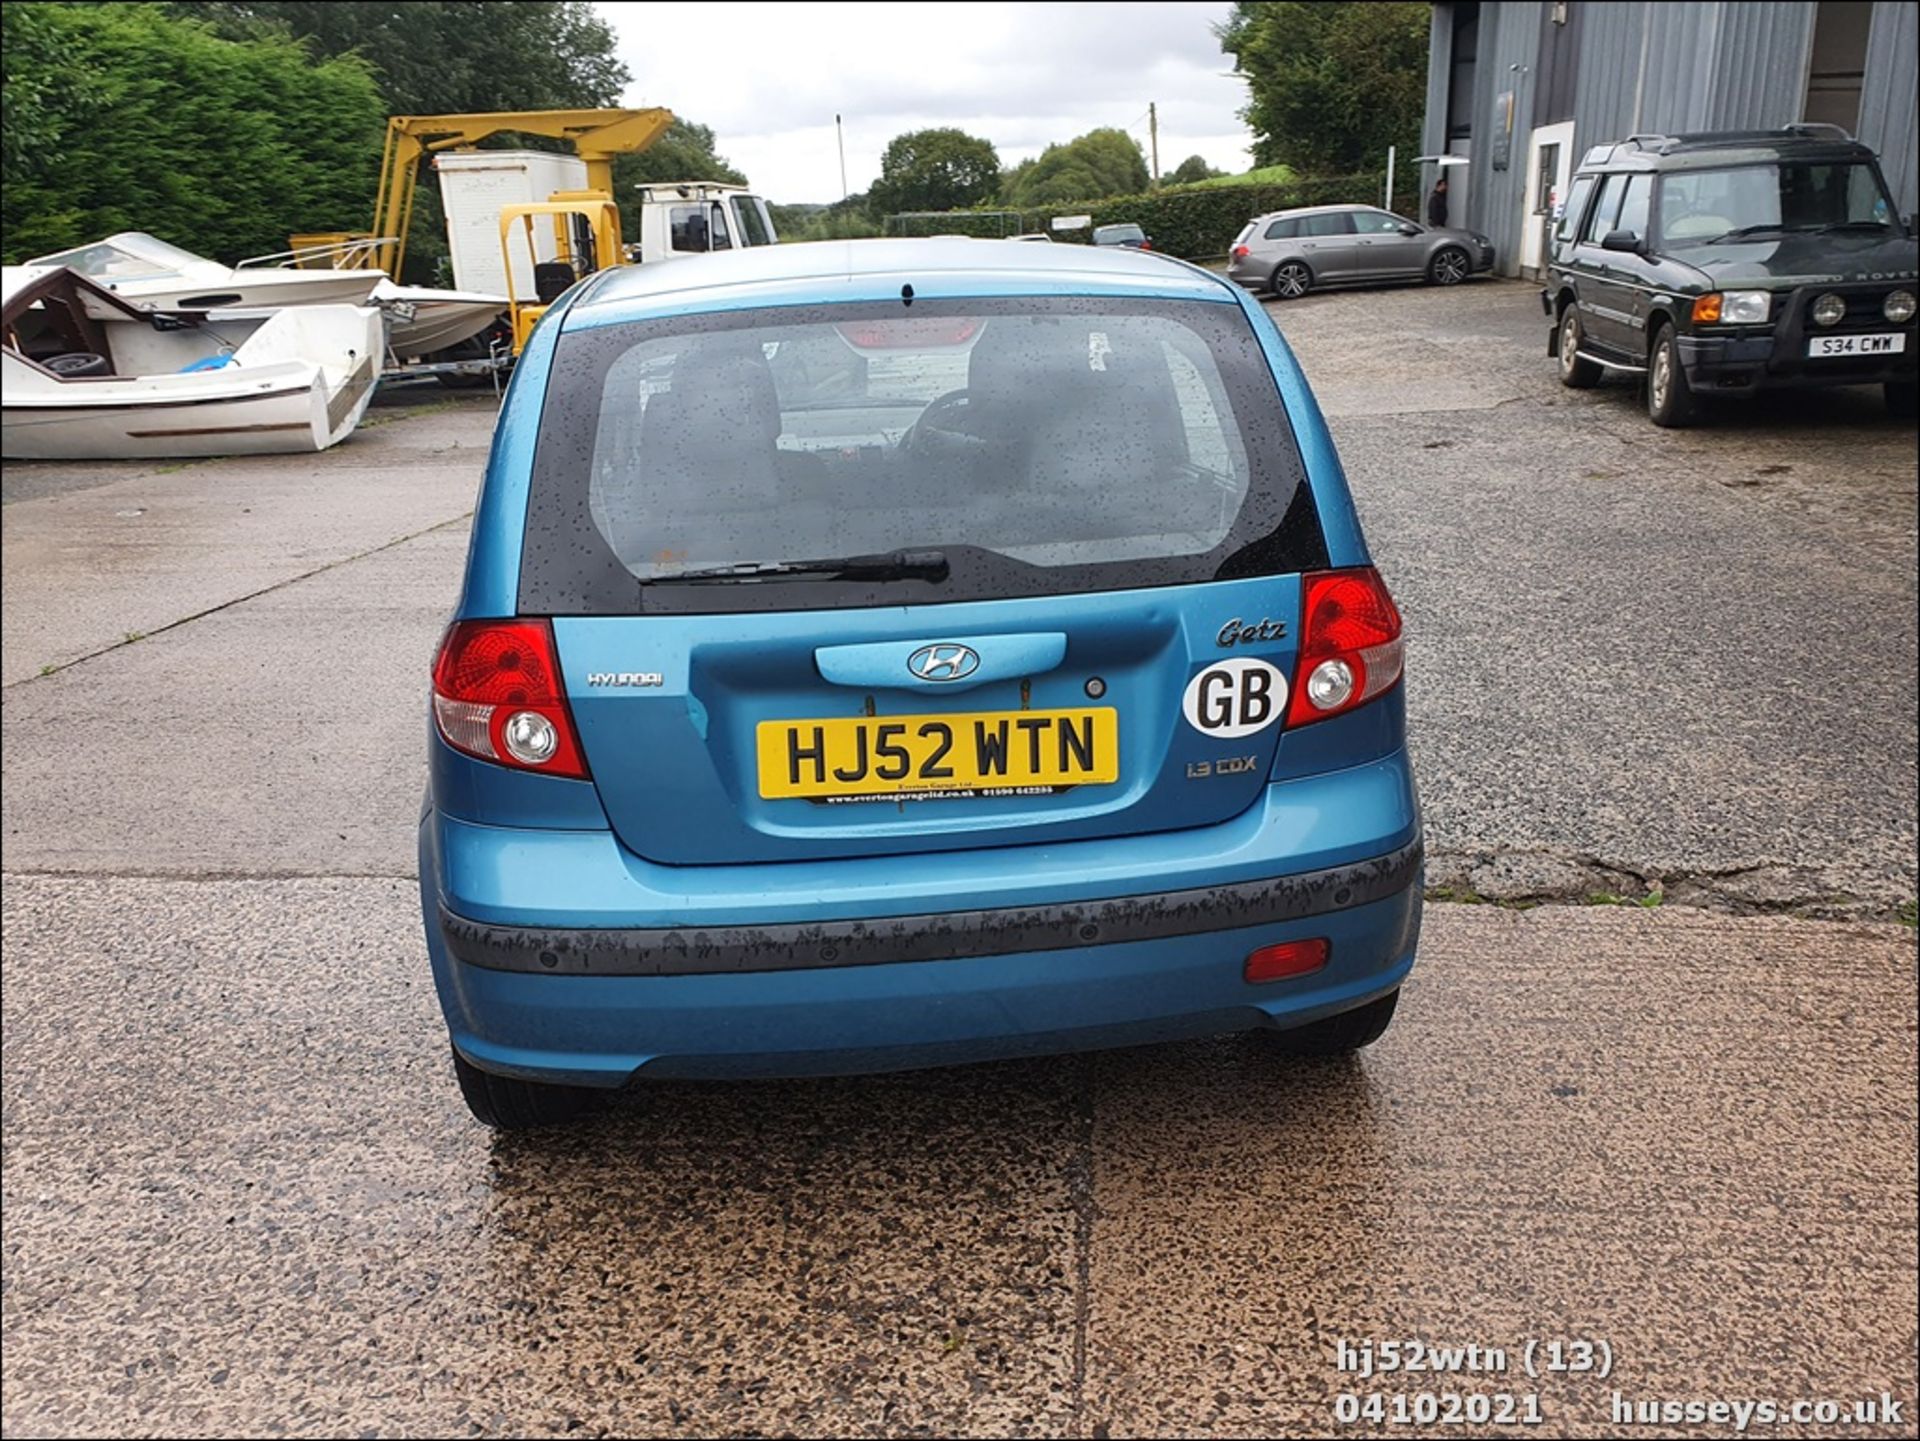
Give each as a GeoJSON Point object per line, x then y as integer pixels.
{"type": "Point", "coordinates": [991, 954]}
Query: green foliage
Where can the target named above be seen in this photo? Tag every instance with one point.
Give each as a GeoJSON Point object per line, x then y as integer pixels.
{"type": "Point", "coordinates": [1191, 171]}
{"type": "Point", "coordinates": [1099, 163]}
{"type": "Point", "coordinates": [1264, 175]}
{"type": "Point", "coordinates": [440, 57]}
{"type": "Point", "coordinates": [935, 170]}
{"type": "Point", "coordinates": [46, 91]}
{"type": "Point", "coordinates": [1332, 84]}
{"type": "Point", "coordinates": [1195, 222]}
{"type": "Point", "coordinates": [685, 152]}
{"type": "Point", "coordinates": [843, 220]}
{"type": "Point", "coordinates": [142, 120]}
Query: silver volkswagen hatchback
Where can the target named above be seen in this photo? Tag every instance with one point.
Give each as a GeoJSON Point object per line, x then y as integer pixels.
{"type": "Point", "coordinates": [1290, 252]}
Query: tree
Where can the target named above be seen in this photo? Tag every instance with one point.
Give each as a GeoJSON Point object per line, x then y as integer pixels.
{"type": "Point", "coordinates": [935, 170]}
{"type": "Point", "coordinates": [1090, 167]}
{"type": "Point", "coordinates": [141, 120]}
{"type": "Point", "coordinates": [46, 91]}
{"type": "Point", "coordinates": [1332, 85]}
{"type": "Point", "coordinates": [685, 152]}
{"type": "Point", "coordinates": [439, 57]}
{"type": "Point", "coordinates": [1190, 171]}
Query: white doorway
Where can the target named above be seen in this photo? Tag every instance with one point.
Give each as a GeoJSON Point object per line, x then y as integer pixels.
{"type": "Point", "coordinates": [1549, 168]}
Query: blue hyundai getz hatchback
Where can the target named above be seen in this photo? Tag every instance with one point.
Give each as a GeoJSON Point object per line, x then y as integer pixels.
{"type": "Point", "coordinates": [880, 654]}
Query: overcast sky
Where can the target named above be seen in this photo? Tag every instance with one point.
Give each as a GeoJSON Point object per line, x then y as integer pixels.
{"type": "Point", "coordinates": [768, 78]}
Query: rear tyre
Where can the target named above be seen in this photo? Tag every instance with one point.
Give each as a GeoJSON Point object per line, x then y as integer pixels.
{"type": "Point", "coordinates": [1670, 401]}
{"type": "Point", "coordinates": [1341, 1034]}
{"type": "Point", "coordinates": [507, 1103]}
{"type": "Point", "coordinates": [1451, 266]}
{"type": "Point", "coordinates": [1576, 371]}
{"type": "Point", "coordinates": [1291, 279]}
{"type": "Point", "coordinates": [1903, 398]}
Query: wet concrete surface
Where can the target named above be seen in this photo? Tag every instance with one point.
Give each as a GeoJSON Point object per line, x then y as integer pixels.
{"type": "Point", "coordinates": [100, 552]}
{"type": "Point", "coordinates": [242, 1196]}
{"type": "Point", "coordinates": [1638, 659]}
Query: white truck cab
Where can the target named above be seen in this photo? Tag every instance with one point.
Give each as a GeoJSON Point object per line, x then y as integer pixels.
{"type": "Point", "coordinates": [693, 217]}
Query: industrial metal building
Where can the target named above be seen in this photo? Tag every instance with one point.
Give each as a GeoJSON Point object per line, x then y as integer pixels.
{"type": "Point", "coordinates": [1519, 91]}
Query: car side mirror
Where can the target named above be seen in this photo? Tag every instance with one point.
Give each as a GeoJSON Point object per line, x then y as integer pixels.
{"type": "Point", "coordinates": [1621, 240]}
{"type": "Point", "coordinates": [1410, 230]}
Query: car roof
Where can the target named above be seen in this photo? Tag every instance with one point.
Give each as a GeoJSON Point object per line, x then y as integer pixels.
{"type": "Point", "coordinates": [1705, 150]}
{"type": "Point", "coordinates": [1314, 210]}
{"type": "Point", "coordinates": [827, 271]}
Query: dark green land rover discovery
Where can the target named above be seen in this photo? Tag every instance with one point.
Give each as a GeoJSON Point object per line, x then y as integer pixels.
{"type": "Point", "coordinates": [1733, 263]}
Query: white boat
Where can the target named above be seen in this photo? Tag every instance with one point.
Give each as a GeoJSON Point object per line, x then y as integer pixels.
{"type": "Point", "coordinates": [423, 321]}
{"type": "Point", "coordinates": [87, 375]}
{"type": "Point", "coordinates": [148, 271]}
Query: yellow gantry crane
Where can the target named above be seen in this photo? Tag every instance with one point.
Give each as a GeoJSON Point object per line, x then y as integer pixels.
{"type": "Point", "coordinates": [596, 136]}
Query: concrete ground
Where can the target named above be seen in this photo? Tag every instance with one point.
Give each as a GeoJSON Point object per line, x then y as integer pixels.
{"type": "Point", "coordinates": [241, 1193]}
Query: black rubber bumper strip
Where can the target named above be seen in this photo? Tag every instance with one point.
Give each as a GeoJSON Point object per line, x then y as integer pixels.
{"type": "Point", "coordinates": [941, 936]}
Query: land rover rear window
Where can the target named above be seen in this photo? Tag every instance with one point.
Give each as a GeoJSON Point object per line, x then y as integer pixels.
{"type": "Point", "coordinates": [1038, 446]}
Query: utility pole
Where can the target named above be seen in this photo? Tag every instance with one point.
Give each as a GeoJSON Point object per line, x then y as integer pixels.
{"type": "Point", "coordinates": [1153, 135]}
{"type": "Point", "coordinates": [841, 135]}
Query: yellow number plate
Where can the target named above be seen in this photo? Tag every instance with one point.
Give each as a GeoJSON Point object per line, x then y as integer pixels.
{"type": "Point", "coordinates": [982, 751]}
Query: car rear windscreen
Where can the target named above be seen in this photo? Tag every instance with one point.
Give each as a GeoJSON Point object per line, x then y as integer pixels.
{"type": "Point", "coordinates": [1037, 445]}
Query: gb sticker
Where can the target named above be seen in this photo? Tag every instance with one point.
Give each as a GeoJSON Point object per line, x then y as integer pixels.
{"type": "Point", "coordinates": [1234, 698]}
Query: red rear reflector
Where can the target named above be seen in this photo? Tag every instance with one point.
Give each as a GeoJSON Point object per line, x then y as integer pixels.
{"type": "Point", "coordinates": [1289, 958]}
{"type": "Point", "coordinates": [909, 333]}
{"type": "Point", "coordinates": [1350, 645]}
{"type": "Point", "coordinates": [490, 671]}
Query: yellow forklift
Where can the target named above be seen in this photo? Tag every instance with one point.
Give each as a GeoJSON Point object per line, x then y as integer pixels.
{"type": "Point", "coordinates": [586, 236]}
{"type": "Point", "coordinates": [596, 136]}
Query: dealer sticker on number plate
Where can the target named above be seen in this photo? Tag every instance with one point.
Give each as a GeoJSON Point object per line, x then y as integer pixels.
{"type": "Point", "coordinates": [1827, 345]}
{"type": "Point", "coordinates": [983, 752]}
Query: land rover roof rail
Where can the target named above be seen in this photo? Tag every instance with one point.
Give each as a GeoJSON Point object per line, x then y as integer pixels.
{"type": "Point", "coordinates": [1818, 127]}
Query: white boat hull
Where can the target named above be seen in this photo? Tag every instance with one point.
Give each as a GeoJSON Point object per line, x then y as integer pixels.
{"type": "Point", "coordinates": [299, 380]}
{"type": "Point", "coordinates": [284, 421]}
{"type": "Point", "coordinates": [422, 321]}
{"type": "Point", "coordinates": [255, 290]}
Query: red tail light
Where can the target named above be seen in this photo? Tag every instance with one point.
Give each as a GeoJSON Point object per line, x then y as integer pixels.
{"type": "Point", "coordinates": [1240, 252]}
{"type": "Point", "coordinates": [1350, 645]}
{"type": "Point", "coordinates": [497, 695]}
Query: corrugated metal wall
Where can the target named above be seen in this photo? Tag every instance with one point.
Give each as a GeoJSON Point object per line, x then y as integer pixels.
{"type": "Point", "coordinates": [1669, 68]}
{"type": "Point", "coordinates": [1433, 133]}
{"type": "Point", "coordinates": [1759, 74]}
{"type": "Point", "coordinates": [1887, 107]}
{"type": "Point", "coordinates": [1509, 44]}
{"type": "Point", "coordinates": [1611, 40]}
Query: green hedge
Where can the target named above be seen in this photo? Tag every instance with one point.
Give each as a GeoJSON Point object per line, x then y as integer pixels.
{"type": "Point", "coordinates": [1195, 222]}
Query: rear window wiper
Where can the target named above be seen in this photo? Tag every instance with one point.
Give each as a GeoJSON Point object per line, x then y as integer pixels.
{"type": "Point", "coordinates": [930, 565]}
{"type": "Point", "coordinates": [1852, 225]}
